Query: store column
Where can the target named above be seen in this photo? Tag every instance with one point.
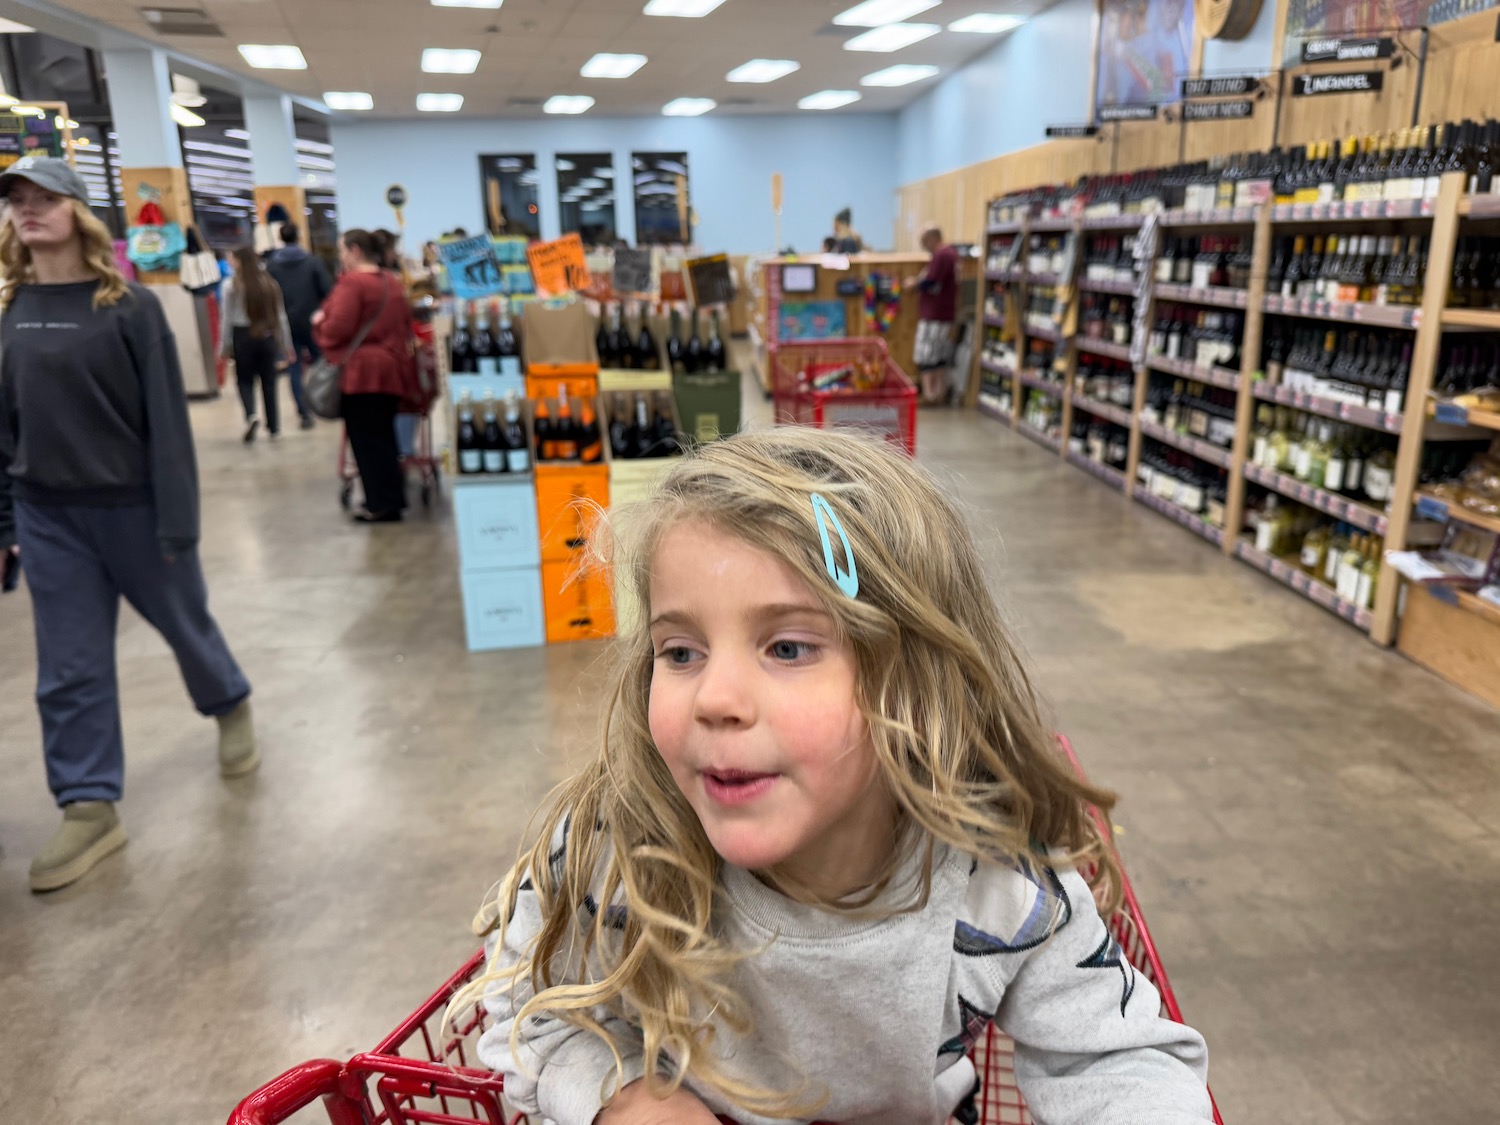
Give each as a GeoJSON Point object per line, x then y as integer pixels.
{"type": "Point", "coordinates": [273, 158]}
{"type": "Point", "coordinates": [151, 172]}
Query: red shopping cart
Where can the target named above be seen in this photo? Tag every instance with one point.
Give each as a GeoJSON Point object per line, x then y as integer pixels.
{"type": "Point", "coordinates": [851, 382]}
{"type": "Point", "coordinates": [422, 1072]}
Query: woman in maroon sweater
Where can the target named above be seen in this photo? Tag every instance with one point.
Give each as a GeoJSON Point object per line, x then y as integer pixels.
{"type": "Point", "coordinates": [378, 375]}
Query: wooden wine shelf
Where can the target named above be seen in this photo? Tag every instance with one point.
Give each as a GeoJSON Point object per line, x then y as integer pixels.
{"type": "Point", "coordinates": [1217, 295]}
{"type": "Point", "coordinates": [997, 369]}
{"type": "Point", "coordinates": [1471, 602]}
{"type": "Point", "coordinates": [1106, 348]}
{"type": "Point", "coordinates": [992, 410]}
{"type": "Point", "coordinates": [1487, 319]}
{"type": "Point", "coordinates": [1203, 450]}
{"type": "Point", "coordinates": [1004, 275]}
{"type": "Point", "coordinates": [1218, 217]}
{"type": "Point", "coordinates": [994, 322]}
{"type": "Point", "coordinates": [1051, 226]}
{"type": "Point", "coordinates": [1435, 508]}
{"type": "Point", "coordinates": [1053, 279]}
{"type": "Point", "coordinates": [1109, 475]}
{"type": "Point", "coordinates": [1353, 212]}
{"type": "Point", "coordinates": [1049, 332]}
{"type": "Point", "coordinates": [1036, 435]}
{"type": "Point", "coordinates": [1295, 578]}
{"type": "Point", "coordinates": [1450, 413]}
{"type": "Point", "coordinates": [1111, 222]}
{"type": "Point", "coordinates": [1226, 377]}
{"type": "Point", "coordinates": [1329, 408]}
{"type": "Point", "coordinates": [1106, 410]}
{"type": "Point", "coordinates": [1003, 228]}
{"type": "Point", "coordinates": [1339, 507]}
{"type": "Point", "coordinates": [1480, 207]}
{"type": "Point", "coordinates": [1118, 288]}
{"type": "Point", "coordinates": [1347, 312]}
{"type": "Point", "coordinates": [1051, 387]}
{"type": "Point", "coordinates": [1193, 522]}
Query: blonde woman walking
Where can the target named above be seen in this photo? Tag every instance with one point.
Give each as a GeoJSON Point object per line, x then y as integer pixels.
{"type": "Point", "coordinates": [99, 496]}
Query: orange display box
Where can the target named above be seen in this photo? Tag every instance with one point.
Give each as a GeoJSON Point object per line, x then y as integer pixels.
{"type": "Point", "coordinates": [576, 602]}
{"type": "Point", "coordinates": [547, 380]}
{"type": "Point", "coordinates": [566, 496]}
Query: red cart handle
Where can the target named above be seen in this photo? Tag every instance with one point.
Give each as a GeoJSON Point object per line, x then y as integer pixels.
{"type": "Point", "coordinates": [297, 1089]}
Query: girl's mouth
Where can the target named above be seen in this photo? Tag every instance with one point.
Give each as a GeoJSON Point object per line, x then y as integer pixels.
{"type": "Point", "coordinates": [736, 787]}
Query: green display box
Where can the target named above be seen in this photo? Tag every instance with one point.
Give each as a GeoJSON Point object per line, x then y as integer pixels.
{"type": "Point", "coordinates": [709, 405]}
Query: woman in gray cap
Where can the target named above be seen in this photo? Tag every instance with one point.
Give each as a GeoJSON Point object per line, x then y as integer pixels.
{"type": "Point", "coordinates": [99, 498]}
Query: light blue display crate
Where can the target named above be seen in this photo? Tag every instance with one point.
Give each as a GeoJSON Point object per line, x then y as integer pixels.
{"type": "Point", "coordinates": [497, 524]}
{"type": "Point", "coordinates": [503, 609]}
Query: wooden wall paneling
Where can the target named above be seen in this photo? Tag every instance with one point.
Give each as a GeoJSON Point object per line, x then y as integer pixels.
{"type": "Point", "coordinates": [1328, 116]}
{"type": "Point", "coordinates": [1463, 71]}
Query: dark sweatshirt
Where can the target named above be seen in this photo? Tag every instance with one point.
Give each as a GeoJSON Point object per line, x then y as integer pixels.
{"type": "Point", "coordinates": [304, 283]}
{"type": "Point", "coordinates": [92, 409]}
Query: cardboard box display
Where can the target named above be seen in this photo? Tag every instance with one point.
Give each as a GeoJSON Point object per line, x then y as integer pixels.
{"type": "Point", "coordinates": [568, 495]}
{"type": "Point", "coordinates": [497, 525]}
{"type": "Point", "coordinates": [632, 480]}
{"type": "Point", "coordinates": [708, 404]}
{"type": "Point", "coordinates": [576, 601]}
{"type": "Point", "coordinates": [558, 334]}
{"type": "Point", "coordinates": [504, 608]}
{"type": "Point", "coordinates": [549, 381]}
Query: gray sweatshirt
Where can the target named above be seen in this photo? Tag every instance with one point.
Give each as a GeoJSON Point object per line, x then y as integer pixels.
{"type": "Point", "coordinates": [235, 316]}
{"type": "Point", "coordinates": [882, 1014]}
{"type": "Point", "coordinates": [92, 409]}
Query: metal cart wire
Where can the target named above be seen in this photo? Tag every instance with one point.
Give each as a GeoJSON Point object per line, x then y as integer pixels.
{"type": "Point", "coordinates": [421, 1075]}
{"type": "Point", "coordinates": [886, 405]}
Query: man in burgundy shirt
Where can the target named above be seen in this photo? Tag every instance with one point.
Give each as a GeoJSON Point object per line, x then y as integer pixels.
{"type": "Point", "coordinates": [937, 309]}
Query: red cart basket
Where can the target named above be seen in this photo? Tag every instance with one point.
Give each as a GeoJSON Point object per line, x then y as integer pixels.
{"type": "Point", "coordinates": [886, 404]}
{"type": "Point", "coordinates": [423, 1074]}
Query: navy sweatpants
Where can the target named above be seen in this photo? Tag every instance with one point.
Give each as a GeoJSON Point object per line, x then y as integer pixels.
{"type": "Point", "coordinates": [79, 563]}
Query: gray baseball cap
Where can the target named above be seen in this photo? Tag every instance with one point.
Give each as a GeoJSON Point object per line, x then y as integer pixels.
{"type": "Point", "coordinates": [46, 172]}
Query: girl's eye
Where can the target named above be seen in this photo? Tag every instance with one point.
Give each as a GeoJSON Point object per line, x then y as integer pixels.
{"type": "Point", "coordinates": [676, 655]}
{"type": "Point", "coordinates": [792, 651]}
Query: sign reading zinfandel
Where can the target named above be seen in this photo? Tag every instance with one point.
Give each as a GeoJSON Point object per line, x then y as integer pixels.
{"type": "Point", "coordinates": [1355, 82]}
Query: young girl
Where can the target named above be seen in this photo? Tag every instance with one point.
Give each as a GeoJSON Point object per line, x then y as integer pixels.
{"type": "Point", "coordinates": [257, 336]}
{"type": "Point", "coordinates": [827, 837]}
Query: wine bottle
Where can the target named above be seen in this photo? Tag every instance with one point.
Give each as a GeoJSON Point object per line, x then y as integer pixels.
{"type": "Point", "coordinates": [486, 354]}
{"type": "Point", "coordinates": [507, 349]}
{"type": "Point", "coordinates": [602, 341]}
{"type": "Point", "coordinates": [675, 351]}
{"type": "Point", "coordinates": [470, 447]}
{"type": "Point", "coordinates": [565, 433]}
{"type": "Point", "coordinates": [620, 346]}
{"type": "Point", "coordinates": [461, 349]}
{"type": "Point", "coordinates": [664, 430]}
{"type": "Point", "coordinates": [517, 453]}
{"type": "Point", "coordinates": [692, 355]}
{"type": "Point", "coordinates": [493, 444]}
{"type": "Point", "coordinates": [546, 445]}
{"type": "Point", "coordinates": [590, 442]}
{"type": "Point", "coordinates": [714, 360]}
{"type": "Point", "coordinates": [647, 357]}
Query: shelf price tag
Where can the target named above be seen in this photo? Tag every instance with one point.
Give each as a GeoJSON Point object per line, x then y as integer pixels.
{"type": "Point", "coordinates": [1450, 413]}
{"type": "Point", "coordinates": [1433, 509]}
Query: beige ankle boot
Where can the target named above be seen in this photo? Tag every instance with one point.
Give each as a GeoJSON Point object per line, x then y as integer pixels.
{"type": "Point", "coordinates": [90, 831]}
{"type": "Point", "coordinates": [238, 754]}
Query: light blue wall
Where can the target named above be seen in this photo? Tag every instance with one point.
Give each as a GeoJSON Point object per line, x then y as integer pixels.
{"type": "Point", "coordinates": [1038, 75]}
{"type": "Point", "coordinates": [828, 162]}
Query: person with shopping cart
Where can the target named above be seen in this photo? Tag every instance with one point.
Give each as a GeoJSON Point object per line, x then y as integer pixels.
{"type": "Point", "coordinates": [827, 839]}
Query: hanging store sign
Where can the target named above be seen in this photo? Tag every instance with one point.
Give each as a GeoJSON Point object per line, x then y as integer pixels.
{"type": "Point", "coordinates": [1343, 50]}
{"type": "Point", "coordinates": [473, 271]}
{"type": "Point", "coordinates": [1218, 111]}
{"type": "Point", "coordinates": [1126, 113]}
{"type": "Point", "coordinates": [1355, 82]}
{"type": "Point", "coordinates": [713, 281]}
{"type": "Point", "coordinates": [634, 271]}
{"type": "Point", "coordinates": [1219, 87]}
{"type": "Point", "coordinates": [1072, 130]}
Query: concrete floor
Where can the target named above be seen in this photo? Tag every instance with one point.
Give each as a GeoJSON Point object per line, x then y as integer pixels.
{"type": "Point", "coordinates": [1313, 824]}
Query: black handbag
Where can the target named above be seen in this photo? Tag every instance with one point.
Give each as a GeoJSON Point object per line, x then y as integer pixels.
{"type": "Point", "coordinates": [322, 387]}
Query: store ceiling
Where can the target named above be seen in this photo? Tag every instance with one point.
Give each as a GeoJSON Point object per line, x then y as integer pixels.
{"type": "Point", "coordinates": [533, 49]}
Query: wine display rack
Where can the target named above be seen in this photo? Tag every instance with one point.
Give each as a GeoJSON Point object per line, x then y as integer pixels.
{"type": "Point", "coordinates": [1410, 515]}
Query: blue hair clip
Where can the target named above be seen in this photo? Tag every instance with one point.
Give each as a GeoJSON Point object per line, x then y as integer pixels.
{"type": "Point", "coordinates": [847, 581]}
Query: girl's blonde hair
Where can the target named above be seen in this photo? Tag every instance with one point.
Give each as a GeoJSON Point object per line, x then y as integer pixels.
{"type": "Point", "coordinates": [952, 716]}
{"type": "Point", "coordinates": [98, 255]}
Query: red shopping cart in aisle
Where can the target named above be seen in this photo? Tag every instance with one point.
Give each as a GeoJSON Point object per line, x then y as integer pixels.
{"type": "Point", "coordinates": [417, 453]}
{"type": "Point", "coordinates": [424, 1074]}
{"type": "Point", "coordinates": [852, 382]}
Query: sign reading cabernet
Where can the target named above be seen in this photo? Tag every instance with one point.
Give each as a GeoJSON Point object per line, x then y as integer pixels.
{"type": "Point", "coordinates": [1355, 82]}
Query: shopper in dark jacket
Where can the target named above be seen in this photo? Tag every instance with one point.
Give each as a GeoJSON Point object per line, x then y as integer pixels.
{"type": "Point", "coordinates": [99, 499]}
{"type": "Point", "coordinates": [305, 285]}
{"type": "Point", "coordinates": [378, 375]}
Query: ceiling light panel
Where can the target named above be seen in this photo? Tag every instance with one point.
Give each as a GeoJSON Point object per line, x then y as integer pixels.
{"type": "Point", "coordinates": [440, 103]}
{"type": "Point", "coordinates": [273, 56]}
{"type": "Point", "coordinates": [902, 75]}
{"type": "Point", "coordinates": [568, 103]}
{"type": "Point", "coordinates": [688, 107]}
{"type": "Point", "coordinates": [985, 23]}
{"type": "Point", "coordinates": [763, 70]}
{"type": "Point", "coordinates": [606, 65]}
{"type": "Point", "coordinates": [686, 9]}
{"type": "Point", "coordinates": [445, 60]}
{"type": "Point", "coordinates": [829, 99]}
{"type": "Point", "coordinates": [892, 37]}
{"type": "Point", "coordinates": [878, 13]}
{"type": "Point", "coordinates": [350, 100]}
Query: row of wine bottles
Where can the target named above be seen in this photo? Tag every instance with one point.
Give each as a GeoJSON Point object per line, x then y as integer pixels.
{"type": "Point", "coordinates": [1100, 441]}
{"type": "Point", "coordinates": [1110, 258]}
{"type": "Point", "coordinates": [494, 442]}
{"type": "Point", "coordinates": [622, 348]}
{"type": "Point", "coordinates": [1195, 409]}
{"type": "Point", "coordinates": [1183, 480]}
{"type": "Point", "coordinates": [1403, 165]}
{"type": "Point", "coordinates": [1203, 337]}
{"type": "Point", "coordinates": [1106, 318]}
{"type": "Point", "coordinates": [484, 342]}
{"type": "Point", "coordinates": [1383, 269]}
{"type": "Point", "coordinates": [1348, 460]}
{"type": "Point", "coordinates": [1212, 260]}
{"type": "Point", "coordinates": [1326, 550]}
{"type": "Point", "coordinates": [1359, 366]}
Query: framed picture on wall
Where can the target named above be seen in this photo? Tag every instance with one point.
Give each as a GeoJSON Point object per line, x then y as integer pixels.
{"type": "Point", "coordinates": [508, 185]}
{"type": "Point", "coordinates": [1144, 50]}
